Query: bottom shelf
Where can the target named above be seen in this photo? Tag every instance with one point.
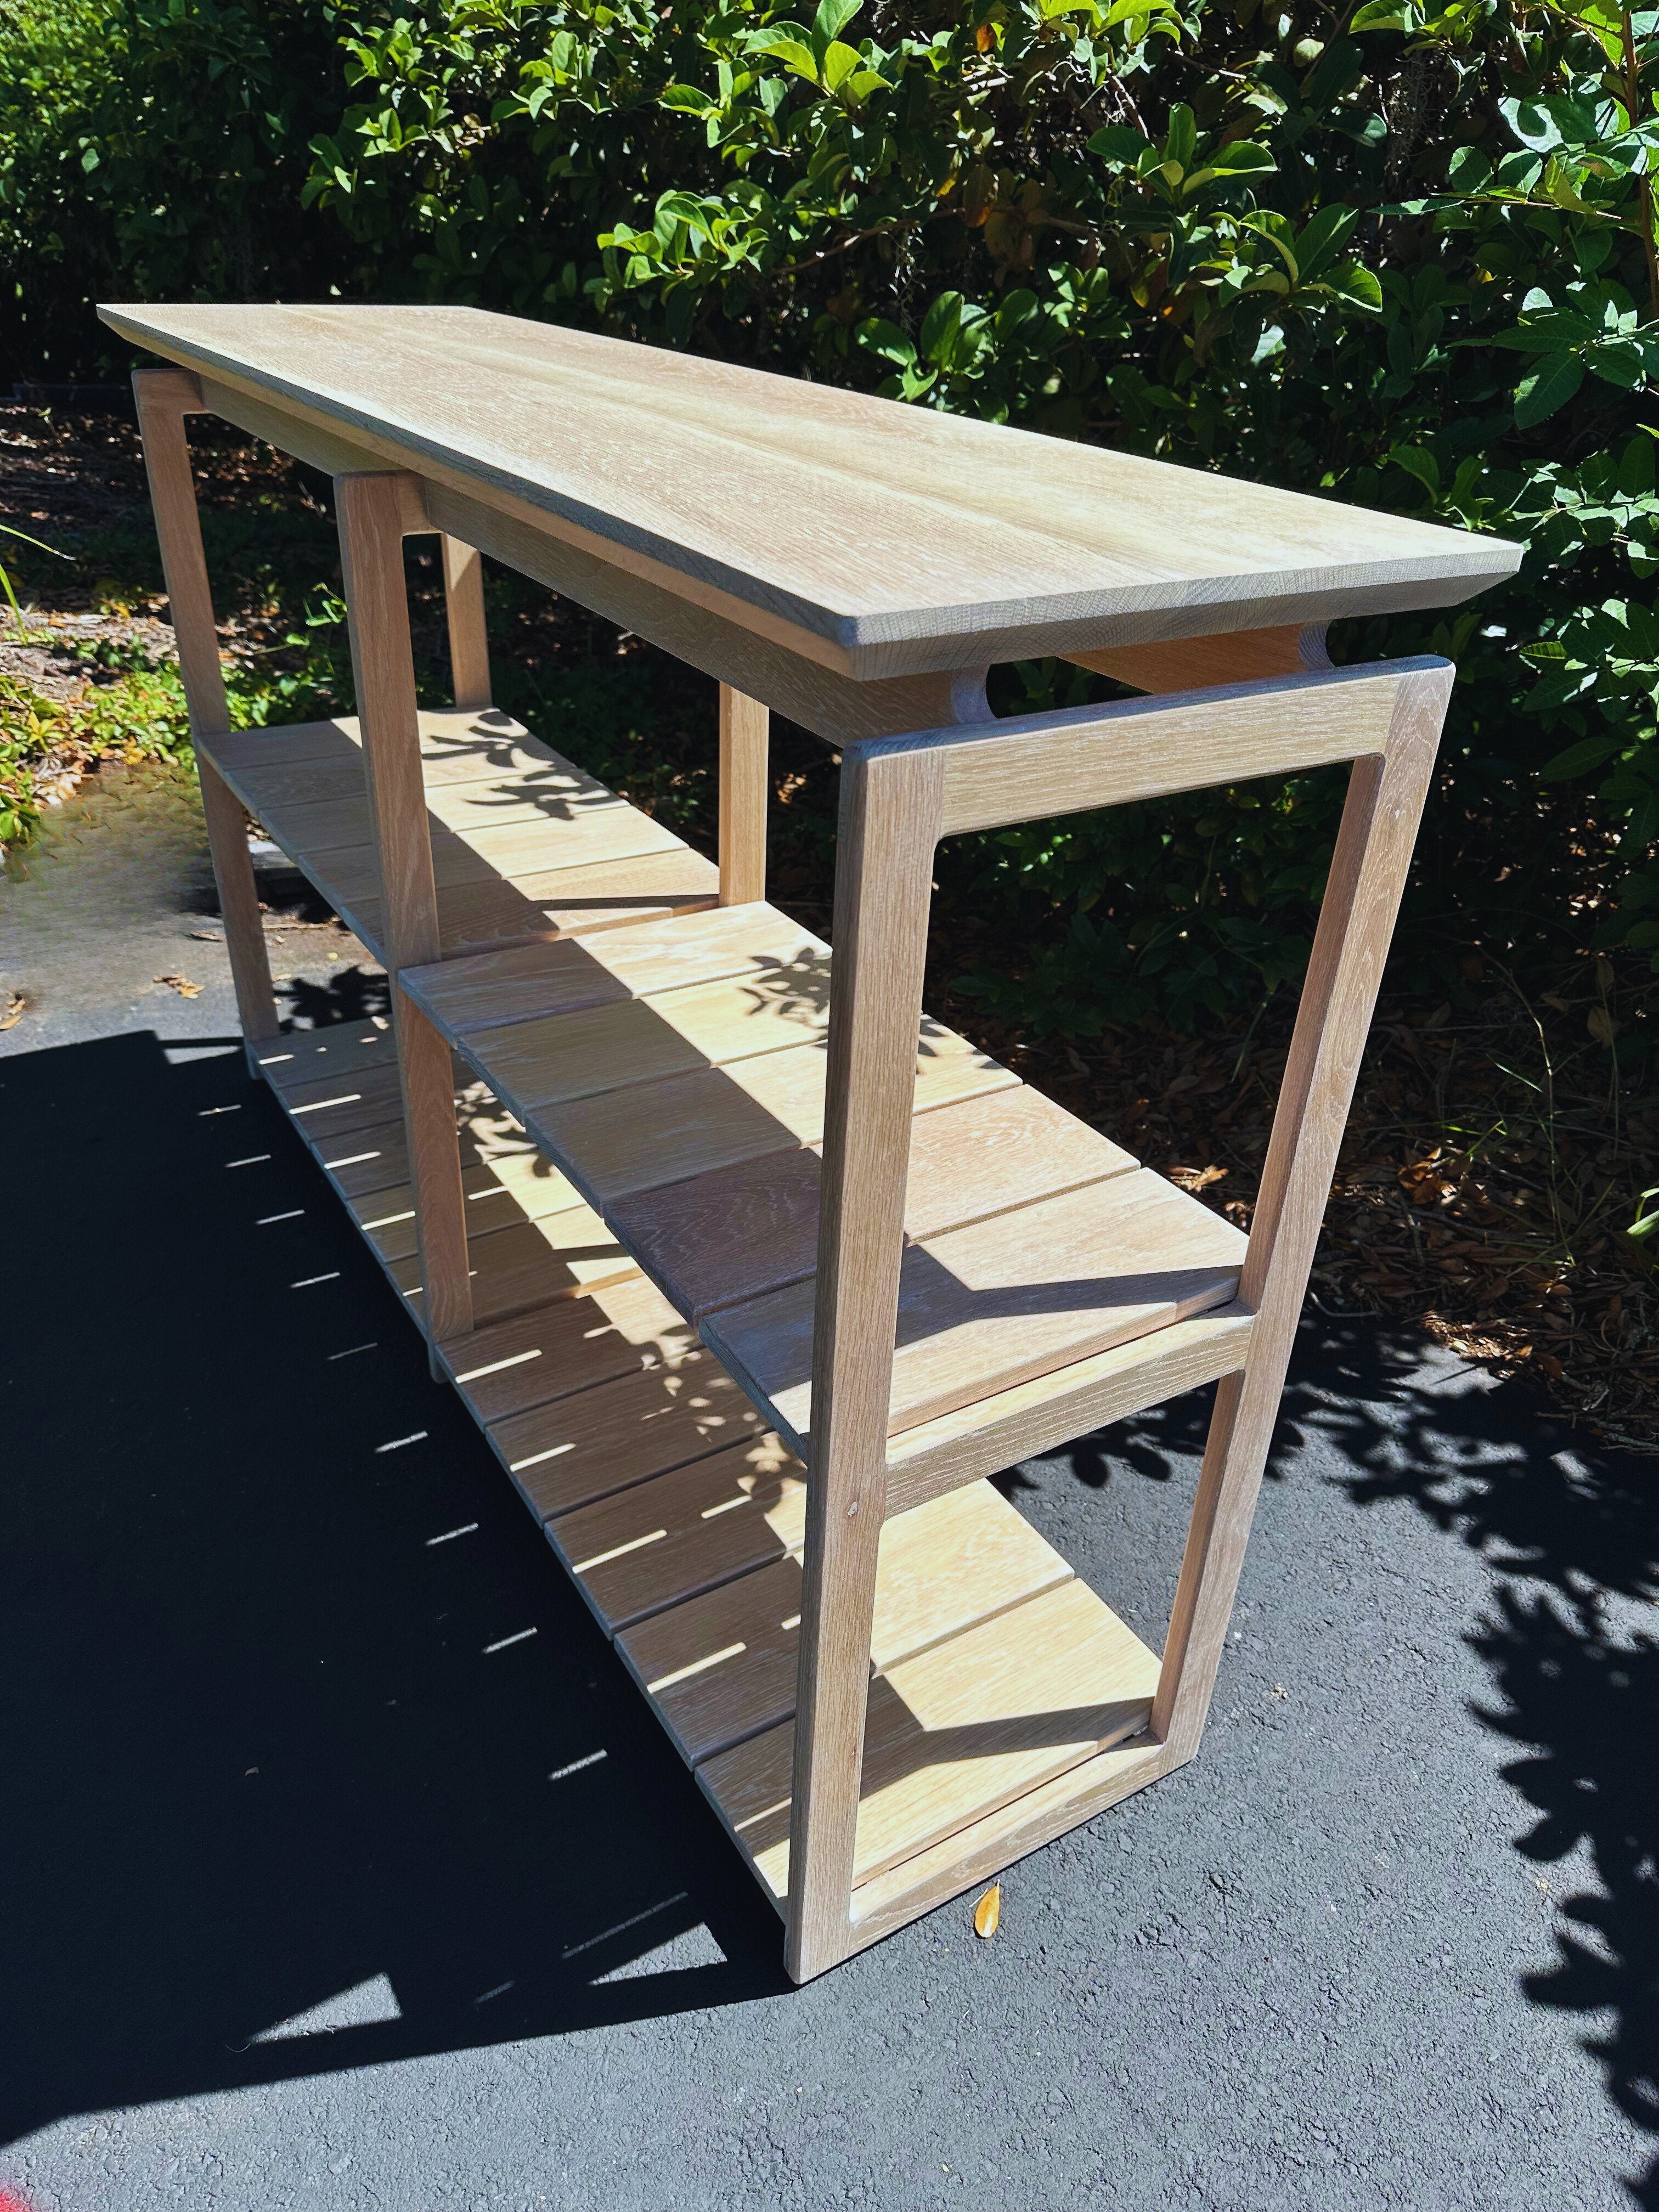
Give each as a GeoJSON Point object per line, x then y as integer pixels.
{"type": "Point", "coordinates": [955, 1734]}
{"type": "Point", "coordinates": [1006, 1700]}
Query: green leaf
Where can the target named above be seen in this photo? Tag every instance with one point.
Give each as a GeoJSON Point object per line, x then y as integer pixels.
{"type": "Point", "coordinates": [831, 20]}
{"type": "Point", "coordinates": [1549, 387]}
{"type": "Point", "coordinates": [1386, 15]}
{"type": "Point", "coordinates": [688, 98]}
{"type": "Point", "coordinates": [1579, 759]}
{"type": "Point", "coordinates": [1181, 140]}
{"type": "Point", "coordinates": [1118, 143]}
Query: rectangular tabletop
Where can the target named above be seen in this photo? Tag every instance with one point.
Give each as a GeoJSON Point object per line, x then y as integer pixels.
{"type": "Point", "coordinates": [870, 535]}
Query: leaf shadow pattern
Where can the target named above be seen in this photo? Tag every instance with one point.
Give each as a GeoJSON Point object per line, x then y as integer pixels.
{"type": "Point", "coordinates": [1570, 1533]}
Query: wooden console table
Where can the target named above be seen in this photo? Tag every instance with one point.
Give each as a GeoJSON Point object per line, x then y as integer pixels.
{"type": "Point", "coordinates": [752, 1272]}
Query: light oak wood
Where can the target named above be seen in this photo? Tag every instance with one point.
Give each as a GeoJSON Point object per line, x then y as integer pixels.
{"type": "Point", "coordinates": [584, 1446]}
{"type": "Point", "coordinates": [635, 1042]}
{"type": "Point", "coordinates": [491, 990]}
{"type": "Point", "coordinates": [330, 1107]}
{"type": "Point", "coordinates": [340, 1050]}
{"type": "Point", "coordinates": [989, 1847]}
{"type": "Point", "coordinates": [386, 1217]}
{"type": "Point", "coordinates": [999, 1301]}
{"type": "Point", "coordinates": [555, 795]}
{"type": "Point", "coordinates": [1033, 766]}
{"type": "Point", "coordinates": [301, 760]}
{"type": "Point", "coordinates": [375, 1169]}
{"type": "Point", "coordinates": [1189, 662]}
{"type": "Point", "coordinates": [954, 1735]}
{"type": "Point", "coordinates": [667, 1539]}
{"type": "Point", "coordinates": [484, 917]}
{"type": "Point", "coordinates": [464, 608]}
{"type": "Point", "coordinates": [888, 827]}
{"type": "Point", "coordinates": [686, 1125]}
{"type": "Point", "coordinates": [1053, 1409]}
{"type": "Point", "coordinates": [874, 536]}
{"type": "Point", "coordinates": [524, 1264]}
{"type": "Point", "coordinates": [721, 1667]}
{"type": "Point", "coordinates": [164, 397]}
{"type": "Point", "coordinates": [733, 1234]}
{"type": "Point", "coordinates": [571, 1345]}
{"type": "Point", "coordinates": [372, 511]}
{"type": "Point", "coordinates": [746, 788]}
{"type": "Point", "coordinates": [787, 670]}
{"type": "Point", "coordinates": [1351, 944]}
{"type": "Point", "coordinates": [964, 1275]}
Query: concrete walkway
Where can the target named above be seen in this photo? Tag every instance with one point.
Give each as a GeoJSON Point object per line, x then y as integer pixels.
{"type": "Point", "coordinates": [314, 1898]}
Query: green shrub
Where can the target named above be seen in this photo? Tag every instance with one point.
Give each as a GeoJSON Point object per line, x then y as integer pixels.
{"type": "Point", "coordinates": [1397, 255]}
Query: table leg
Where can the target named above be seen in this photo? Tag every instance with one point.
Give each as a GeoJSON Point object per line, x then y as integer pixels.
{"type": "Point", "coordinates": [745, 727]}
{"type": "Point", "coordinates": [469, 640]}
{"type": "Point", "coordinates": [165, 397]}
{"type": "Point", "coordinates": [889, 815]}
{"type": "Point", "coordinates": [1373, 854]}
{"type": "Point", "coordinates": [373, 514]}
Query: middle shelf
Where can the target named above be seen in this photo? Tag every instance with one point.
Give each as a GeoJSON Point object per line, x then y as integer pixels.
{"type": "Point", "coordinates": [675, 1073]}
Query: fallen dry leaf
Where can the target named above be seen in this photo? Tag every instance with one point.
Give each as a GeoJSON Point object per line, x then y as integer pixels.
{"type": "Point", "coordinates": [13, 1012]}
{"type": "Point", "coordinates": [182, 985]}
{"type": "Point", "coordinates": [988, 1912]}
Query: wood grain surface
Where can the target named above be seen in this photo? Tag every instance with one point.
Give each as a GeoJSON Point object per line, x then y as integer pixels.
{"type": "Point", "coordinates": [876, 535]}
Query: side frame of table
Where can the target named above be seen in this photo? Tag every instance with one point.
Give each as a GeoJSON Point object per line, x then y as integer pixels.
{"type": "Point", "coordinates": [920, 760]}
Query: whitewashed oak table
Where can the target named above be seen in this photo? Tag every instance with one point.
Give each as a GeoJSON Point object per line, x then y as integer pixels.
{"type": "Point", "coordinates": [751, 1272]}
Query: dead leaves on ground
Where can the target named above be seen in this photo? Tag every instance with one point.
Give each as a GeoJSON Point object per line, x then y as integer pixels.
{"type": "Point", "coordinates": [182, 985]}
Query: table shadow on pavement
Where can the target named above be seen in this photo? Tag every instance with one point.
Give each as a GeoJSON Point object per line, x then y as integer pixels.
{"type": "Point", "coordinates": [279, 1755]}
{"type": "Point", "coordinates": [1569, 1530]}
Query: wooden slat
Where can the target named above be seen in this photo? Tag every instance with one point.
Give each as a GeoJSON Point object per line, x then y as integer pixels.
{"type": "Point", "coordinates": [325, 1106]}
{"type": "Point", "coordinates": [583, 1446]}
{"type": "Point", "coordinates": [572, 1345]}
{"type": "Point", "coordinates": [639, 1041]}
{"type": "Point", "coordinates": [680, 1533]}
{"type": "Point", "coordinates": [984, 1308]}
{"type": "Point", "coordinates": [298, 762]}
{"type": "Point", "coordinates": [875, 536]}
{"type": "Point", "coordinates": [483, 917]}
{"type": "Point", "coordinates": [342, 1050]}
{"type": "Point", "coordinates": [376, 1159]}
{"type": "Point", "coordinates": [688, 1125]}
{"type": "Point", "coordinates": [741, 1231]}
{"type": "Point", "coordinates": [523, 1266]}
{"type": "Point", "coordinates": [372, 1156]}
{"type": "Point", "coordinates": [721, 1667]}
{"type": "Point", "coordinates": [968, 1727]}
{"type": "Point", "coordinates": [989, 1847]}
{"type": "Point", "coordinates": [487, 857]}
{"type": "Point", "coordinates": [1071, 1401]}
{"type": "Point", "coordinates": [493, 989]}
{"type": "Point", "coordinates": [386, 1217]}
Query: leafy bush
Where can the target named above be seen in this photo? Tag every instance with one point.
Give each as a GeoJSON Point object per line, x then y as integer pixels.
{"type": "Point", "coordinates": [1400, 255]}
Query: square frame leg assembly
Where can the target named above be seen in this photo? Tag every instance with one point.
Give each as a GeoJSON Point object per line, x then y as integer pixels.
{"type": "Point", "coordinates": [751, 1272]}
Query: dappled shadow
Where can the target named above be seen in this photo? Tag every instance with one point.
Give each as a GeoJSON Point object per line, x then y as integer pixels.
{"type": "Point", "coordinates": [1569, 1532]}
{"type": "Point", "coordinates": [522, 842]}
{"type": "Point", "coordinates": [307, 1728]}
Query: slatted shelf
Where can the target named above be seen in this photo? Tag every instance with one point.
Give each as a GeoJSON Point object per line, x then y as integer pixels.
{"type": "Point", "coordinates": [652, 1098]}
{"type": "Point", "coordinates": [718, 1667]}
{"type": "Point", "coordinates": [955, 1734]}
{"type": "Point", "coordinates": [688, 1107]}
{"type": "Point", "coordinates": [524, 845]}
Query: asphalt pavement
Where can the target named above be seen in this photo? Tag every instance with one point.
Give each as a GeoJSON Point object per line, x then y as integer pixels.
{"type": "Point", "coordinates": [325, 1886]}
